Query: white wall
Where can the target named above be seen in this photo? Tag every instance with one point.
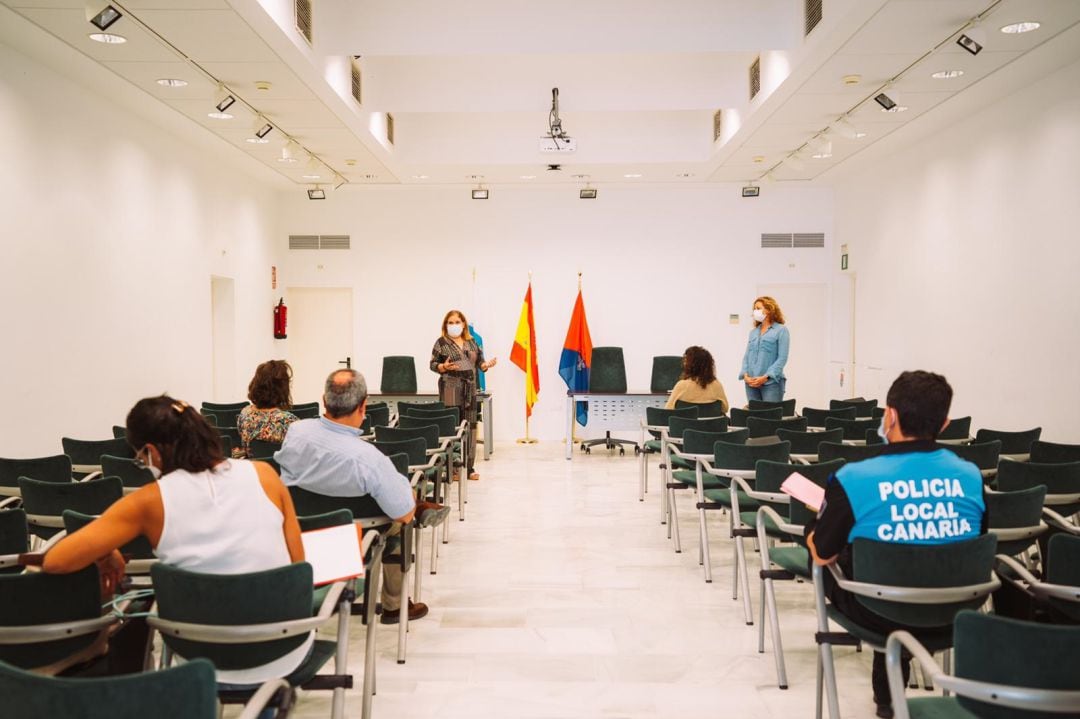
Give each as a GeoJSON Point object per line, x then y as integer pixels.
{"type": "Point", "coordinates": [662, 268]}
{"type": "Point", "coordinates": [112, 230]}
{"type": "Point", "coordinates": [967, 257]}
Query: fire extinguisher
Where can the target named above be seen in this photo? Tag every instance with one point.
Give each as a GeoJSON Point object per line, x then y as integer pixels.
{"type": "Point", "coordinates": [280, 319]}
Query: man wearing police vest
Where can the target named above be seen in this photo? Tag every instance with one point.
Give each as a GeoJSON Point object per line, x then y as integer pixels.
{"type": "Point", "coordinates": [912, 493]}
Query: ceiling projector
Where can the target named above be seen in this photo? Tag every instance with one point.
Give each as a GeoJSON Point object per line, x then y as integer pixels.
{"type": "Point", "coordinates": [556, 140]}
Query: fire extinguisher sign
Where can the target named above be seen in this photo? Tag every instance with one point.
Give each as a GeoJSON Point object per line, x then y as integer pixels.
{"type": "Point", "coordinates": [273, 277]}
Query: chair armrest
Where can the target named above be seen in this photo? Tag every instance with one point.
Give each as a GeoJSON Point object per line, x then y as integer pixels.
{"type": "Point", "coordinates": [899, 640]}
{"type": "Point", "coordinates": [749, 491]}
{"type": "Point", "coordinates": [782, 524]}
{"type": "Point", "coordinates": [262, 697]}
{"type": "Point", "coordinates": [10, 502]}
{"type": "Point", "coordinates": [915, 595]}
{"type": "Point", "coordinates": [1009, 534]}
{"type": "Point", "coordinates": [1020, 457]}
{"type": "Point", "coordinates": [52, 632]}
{"type": "Point", "coordinates": [1060, 522]}
{"type": "Point", "coordinates": [435, 461]}
{"type": "Point", "coordinates": [729, 473]}
{"type": "Point", "coordinates": [235, 633]}
{"type": "Point", "coordinates": [51, 521]}
{"type": "Point", "coordinates": [415, 478]}
{"type": "Point", "coordinates": [1028, 583]}
{"type": "Point", "coordinates": [689, 456]}
{"type": "Point", "coordinates": [140, 566]}
{"type": "Point", "coordinates": [330, 601]}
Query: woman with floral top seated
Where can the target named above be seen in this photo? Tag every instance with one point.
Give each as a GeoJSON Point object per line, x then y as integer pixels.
{"type": "Point", "coordinates": [267, 417]}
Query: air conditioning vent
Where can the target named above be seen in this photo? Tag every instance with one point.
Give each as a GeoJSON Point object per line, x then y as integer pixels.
{"type": "Point", "coordinates": [813, 14]}
{"type": "Point", "coordinates": [775, 240]}
{"type": "Point", "coordinates": [808, 239]}
{"type": "Point", "coordinates": [356, 85]}
{"type": "Point", "coordinates": [717, 124]}
{"type": "Point", "coordinates": [755, 77]}
{"type": "Point", "coordinates": [390, 128]}
{"type": "Point", "coordinates": [303, 18]}
{"type": "Point", "coordinates": [319, 242]}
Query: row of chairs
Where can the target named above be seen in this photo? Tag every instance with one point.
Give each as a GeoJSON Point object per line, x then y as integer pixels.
{"type": "Point", "coordinates": [738, 471]}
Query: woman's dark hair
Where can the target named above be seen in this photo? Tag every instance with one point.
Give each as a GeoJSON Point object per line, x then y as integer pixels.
{"type": "Point", "coordinates": [699, 366]}
{"type": "Point", "coordinates": [271, 385]}
{"type": "Point", "coordinates": [181, 435]}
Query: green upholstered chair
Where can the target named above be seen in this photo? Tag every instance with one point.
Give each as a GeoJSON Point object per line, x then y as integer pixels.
{"type": "Point", "coordinates": [306, 410]}
{"type": "Point", "coordinates": [233, 435]}
{"type": "Point", "coordinates": [52, 621]}
{"type": "Point", "coordinates": [957, 431]}
{"type": "Point", "coordinates": [224, 414]}
{"type": "Point", "coordinates": [375, 417]}
{"type": "Point", "coordinates": [184, 692]}
{"type": "Point", "coordinates": [854, 429]}
{"type": "Point", "coordinates": [56, 468]}
{"type": "Point", "coordinates": [762, 427]}
{"type": "Point", "coordinates": [863, 407]}
{"type": "Point", "coordinates": [119, 432]}
{"type": "Point", "coordinates": [138, 552]}
{"type": "Point", "coordinates": [872, 437]}
{"type": "Point", "coordinates": [1048, 452]}
{"type": "Point", "coordinates": [607, 375]}
{"type": "Point", "coordinates": [786, 406]}
{"type": "Point", "coordinates": [983, 455]}
{"type": "Point", "coordinates": [407, 407]}
{"type": "Point", "coordinates": [440, 411]}
{"type": "Point", "coordinates": [398, 375]}
{"type": "Point", "coordinates": [1014, 445]}
{"type": "Point", "coordinates": [129, 473]}
{"type": "Point", "coordinates": [439, 450]}
{"type": "Point", "coordinates": [1062, 482]}
{"type": "Point", "coordinates": [210, 417]}
{"type": "Point", "coordinates": [1016, 518]}
{"type": "Point", "coordinates": [682, 465]}
{"type": "Point", "coordinates": [260, 449]}
{"type": "Point", "coordinates": [654, 425]}
{"type": "Point", "coordinates": [86, 454]}
{"type": "Point", "coordinates": [1057, 592]}
{"type": "Point", "coordinates": [804, 445]}
{"type": "Point", "coordinates": [781, 521]}
{"type": "Point", "coordinates": [269, 612]}
{"type": "Point", "coordinates": [705, 409]}
{"type": "Point", "coordinates": [914, 585]}
{"type": "Point", "coordinates": [739, 416]}
{"type": "Point", "coordinates": [45, 502]}
{"type": "Point", "coordinates": [696, 448]}
{"type": "Point", "coordinates": [828, 451]}
{"type": "Point", "coordinates": [450, 425]}
{"type": "Point", "coordinates": [14, 539]}
{"type": "Point", "coordinates": [666, 370]}
{"type": "Point", "coordinates": [1005, 669]}
{"type": "Point", "coordinates": [677, 425]}
{"type": "Point", "coordinates": [228, 406]}
{"type": "Point", "coordinates": [816, 417]}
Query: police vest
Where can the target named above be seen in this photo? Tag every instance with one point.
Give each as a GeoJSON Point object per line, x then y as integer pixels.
{"type": "Point", "coordinates": [914, 498]}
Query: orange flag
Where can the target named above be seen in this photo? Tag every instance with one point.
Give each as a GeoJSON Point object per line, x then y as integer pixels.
{"type": "Point", "coordinates": [523, 353]}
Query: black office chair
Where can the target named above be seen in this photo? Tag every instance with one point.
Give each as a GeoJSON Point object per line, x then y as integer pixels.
{"type": "Point", "coordinates": [608, 375]}
{"type": "Point", "coordinates": [666, 370]}
{"type": "Point", "coordinates": [398, 375]}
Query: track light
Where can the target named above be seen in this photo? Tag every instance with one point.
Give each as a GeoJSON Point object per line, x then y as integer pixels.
{"type": "Point", "coordinates": [480, 193]}
{"type": "Point", "coordinates": [587, 193]}
{"type": "Point", "coordinates": [101, 15]}
{"type": "Point", "coordinates": [887, 103]}
{"type": "Point", "coordinates": [845, 129]}
{"type": "Point", "coordinates": [795, 162]}
{"type": "Point", "coordinates": [289, 152]}
{"type": "Point", "coordinates": [972, 39]}
{"type": "Point", "coordinates": [224, 100]}
{"type": "Point", "coordinates": [339, 181]}
{"type": "Point", "coordinates": [751, 190]}
{"type": "Point", "coordinates": [822, 148]}
{"type": "Point", "coordinates": [316, 193]}
{"type": "Point", "coordinates": [264, 129]}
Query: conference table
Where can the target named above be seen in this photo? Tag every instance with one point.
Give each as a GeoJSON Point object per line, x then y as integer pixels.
{"type": "Point", "coordinates": [484, 398]}
{"type": "Point", "coordinates": [610, 411]}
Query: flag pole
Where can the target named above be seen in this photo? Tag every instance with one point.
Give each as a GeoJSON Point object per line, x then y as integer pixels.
{"type": "Point", "coordinates": [527, 439]}
{"type": "Point", "coordinates": [573, 422]}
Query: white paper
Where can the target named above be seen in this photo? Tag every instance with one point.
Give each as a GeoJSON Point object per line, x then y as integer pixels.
{"type": "Point", "coordinates": [333, 553]}
{"type": "Point", "coordinates": [804, 490]}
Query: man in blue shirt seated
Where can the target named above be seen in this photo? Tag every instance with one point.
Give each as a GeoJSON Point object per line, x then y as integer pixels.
{"type": "Point", "coordinates": [912, 493]}
{"type": "Point", "coordinates": [326, 456]}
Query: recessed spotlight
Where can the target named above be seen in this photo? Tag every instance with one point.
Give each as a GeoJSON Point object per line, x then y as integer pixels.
{"type": "Point", "coordinates": [474, 177]}
{"type": "Point", "coordinates": [972, 40]}
{"type": "Point", "coordinates": [528, 177]}
{"type": "Point", "coordinates": [822, 156]}
{"type": "Point", "coordinates": [887, 103]}
{"type": "Point", "coordinates": [851, 79]}
{"type": "Point", "coordinates": [896, 108]}
{"type": "Point", "coordinates": [219, 115]}
{"type": "Point", "coordinates": [684, 174]}
{"type": "Point", "coordinates": [350, 162]}
{"type": "Point", "coordinates": [257, 140]}
{"type": "Point", "coordinates": [587, 193]}
{"type": "Point", "coordinates": [101, 16]}
{"type": "Point", "coordinates": [947, 74]}
{"type": "Point", "coordinates": [108, 38]}
{"type": "Point", "coordinates": [172, 82]}
{"type": "Point", "coordinates": [758, 159]}
{"type": "Point", "coordinates": [419, 177]}
{"type": "Point", "coordinates": [860, 135]}
{"type": "Point", "coordinates": [1020, 27]}
{"type": "Point", "coordinates": [632, 175]}
{"type": "Point", "coordinates": [311, 177]}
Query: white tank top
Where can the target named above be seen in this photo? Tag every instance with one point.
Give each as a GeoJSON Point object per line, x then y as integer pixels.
{"type": "Point", "coordinates": [222, 522]}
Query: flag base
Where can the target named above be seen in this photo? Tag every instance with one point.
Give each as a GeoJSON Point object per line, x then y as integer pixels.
{"type": "Point", "coordinates": [527, 440]}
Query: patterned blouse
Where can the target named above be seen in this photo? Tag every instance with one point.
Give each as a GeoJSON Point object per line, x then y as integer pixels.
{"type": "Point", "coordinates": [268, 425]}
{"type": "Point", "coordinates": [457, 388]}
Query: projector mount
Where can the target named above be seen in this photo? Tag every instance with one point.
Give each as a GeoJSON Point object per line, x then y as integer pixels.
{"type": "Point", "coordinates": [556, 140]}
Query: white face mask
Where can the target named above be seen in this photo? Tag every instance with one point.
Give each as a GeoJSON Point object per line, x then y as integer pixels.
{"type": "Point", "coordinates": [455, 330]}
{"type": "Point", "coordinates": [759, 315]}
{"type": "Point", "coordinates": [881, 432]}
{"type": "Point", "coordinates": [145, 463]}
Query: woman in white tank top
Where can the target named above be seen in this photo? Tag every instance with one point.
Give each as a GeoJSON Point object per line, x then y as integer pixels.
{"type": "Point", "coordinates": [205, 514]}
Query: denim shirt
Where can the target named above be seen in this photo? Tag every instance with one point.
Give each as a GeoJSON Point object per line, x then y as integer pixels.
{"type": "Point", "coordinates": [766, 354]}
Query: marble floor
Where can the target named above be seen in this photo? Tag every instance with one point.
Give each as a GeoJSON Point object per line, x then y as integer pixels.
{"type": "Point", "coordinates": [561, 597]}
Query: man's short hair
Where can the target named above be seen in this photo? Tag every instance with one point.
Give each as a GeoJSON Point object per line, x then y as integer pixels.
{"type": "Point", "coordinates": [921, 400]}
{"type": "Point", "coordinates": [345, 391]}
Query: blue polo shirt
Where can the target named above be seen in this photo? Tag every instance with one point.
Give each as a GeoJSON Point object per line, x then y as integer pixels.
{"type": "Point", "coordinates": [330, 458]}
{"type": "Point", "coordinates": [766, 354]}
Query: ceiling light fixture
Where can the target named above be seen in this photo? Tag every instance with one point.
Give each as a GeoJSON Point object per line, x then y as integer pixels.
{"type": "Point", "coordinates": [947, 74]}
{"type": "Point", "coordinates": [480, 193]}
{"type": "Point", "coordinates": [108, 38]}
{"type": "Point", "coordinates": [632, 175]}
{"type": "Point", "coordinates": [684, 175]}
{"type": "Point", "coordinates": [223, 100]}
{"type": "Point", "coordinates": [289, 151]}
{"type": "Point", "coordinates": [860, 135]}
{"type": "Point", "coordinates": [316, 193]}
{"type": "Point", "coordinates": [419, 177]}
{"type": "Point", "coordinates": [972, 39]}
{"type": "Point", "coordinates": [528, 177]}
{"type": "Point", "coordinates": [101, 15]}
{"type": "Point", "coordinates": [314, 170]}
{"type": "Point", "coordinates": [795, 162]}
{"type": "Point", "coordinates": [898, 108]}
{"type": "Point", "coordinates": [339, 181]}
{"type": "Point", "coordinates": [822, 149]}
{"type": "Point", "coordinates": [587, 193]}
{"type": "Point", "coordinates": [887, 103]}
{"type": "Point", "coordinates": [845, 129]}
{"type": "Point", "coordinates": [172, 82]}
{"type": "Point", "coordinates": [751, 190]}
{"type": "Point", "coordinates": [1021, 27]}
{"type": "Point", "coordinates": [851, 79]}
{"type": "Point", "coordinates": [262, 127]}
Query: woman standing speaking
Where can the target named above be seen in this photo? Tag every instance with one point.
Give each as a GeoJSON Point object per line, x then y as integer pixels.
{"type": "Point", "coordinates": [457, 357]}
{"type": "Point", "coordinates": [766, 353]}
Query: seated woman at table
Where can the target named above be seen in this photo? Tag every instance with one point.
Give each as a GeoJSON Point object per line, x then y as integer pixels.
{"type": "Point", "coordinates": [205, 513]}
{"type": "Point", "coordinates": [698, 382]}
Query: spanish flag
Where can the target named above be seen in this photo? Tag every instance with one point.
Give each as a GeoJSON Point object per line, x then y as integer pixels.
{"type": "Point", "coordinates": [523, 353]}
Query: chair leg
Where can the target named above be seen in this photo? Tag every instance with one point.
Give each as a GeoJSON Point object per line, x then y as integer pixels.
{"type": "Point", "coordinates": [341, 659]}
{"type": "Point", "coordinates": [829, 676]}
{"type": "Point", "coordinates": [946, 666]}
{"type": "Point", "coordinates": [435, 550]}
{"type": "Point", "coordinates": [403, 619]}
{"type": "Point", "coordinates": [743, 577]}
{"type": "Point", "coordinates": [819, 683]}
{"type": "Point", "coordinates": [703, 531]}
{"type": "Point", "coordinates": [369, 642]}
{"type": "Point", "coordinates": [769, 598]}
{"type": "Point", "coordinates": [418, 564]}
{"type": "Point", "coordinates": [643, 469]}
{"type": "Point", "coordinates": [674, 520]}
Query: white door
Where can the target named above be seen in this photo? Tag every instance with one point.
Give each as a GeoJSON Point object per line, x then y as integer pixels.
{"type": "Point", "coordinates": [320, 338]}
{"type": "Point", "coordinates": [804, 309]}
{"type": "Point", "coordinates": [223, 340]}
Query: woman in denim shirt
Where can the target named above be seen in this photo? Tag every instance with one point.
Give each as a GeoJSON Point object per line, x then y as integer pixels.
{"type": "Point", "coordinates": [766, 353]}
